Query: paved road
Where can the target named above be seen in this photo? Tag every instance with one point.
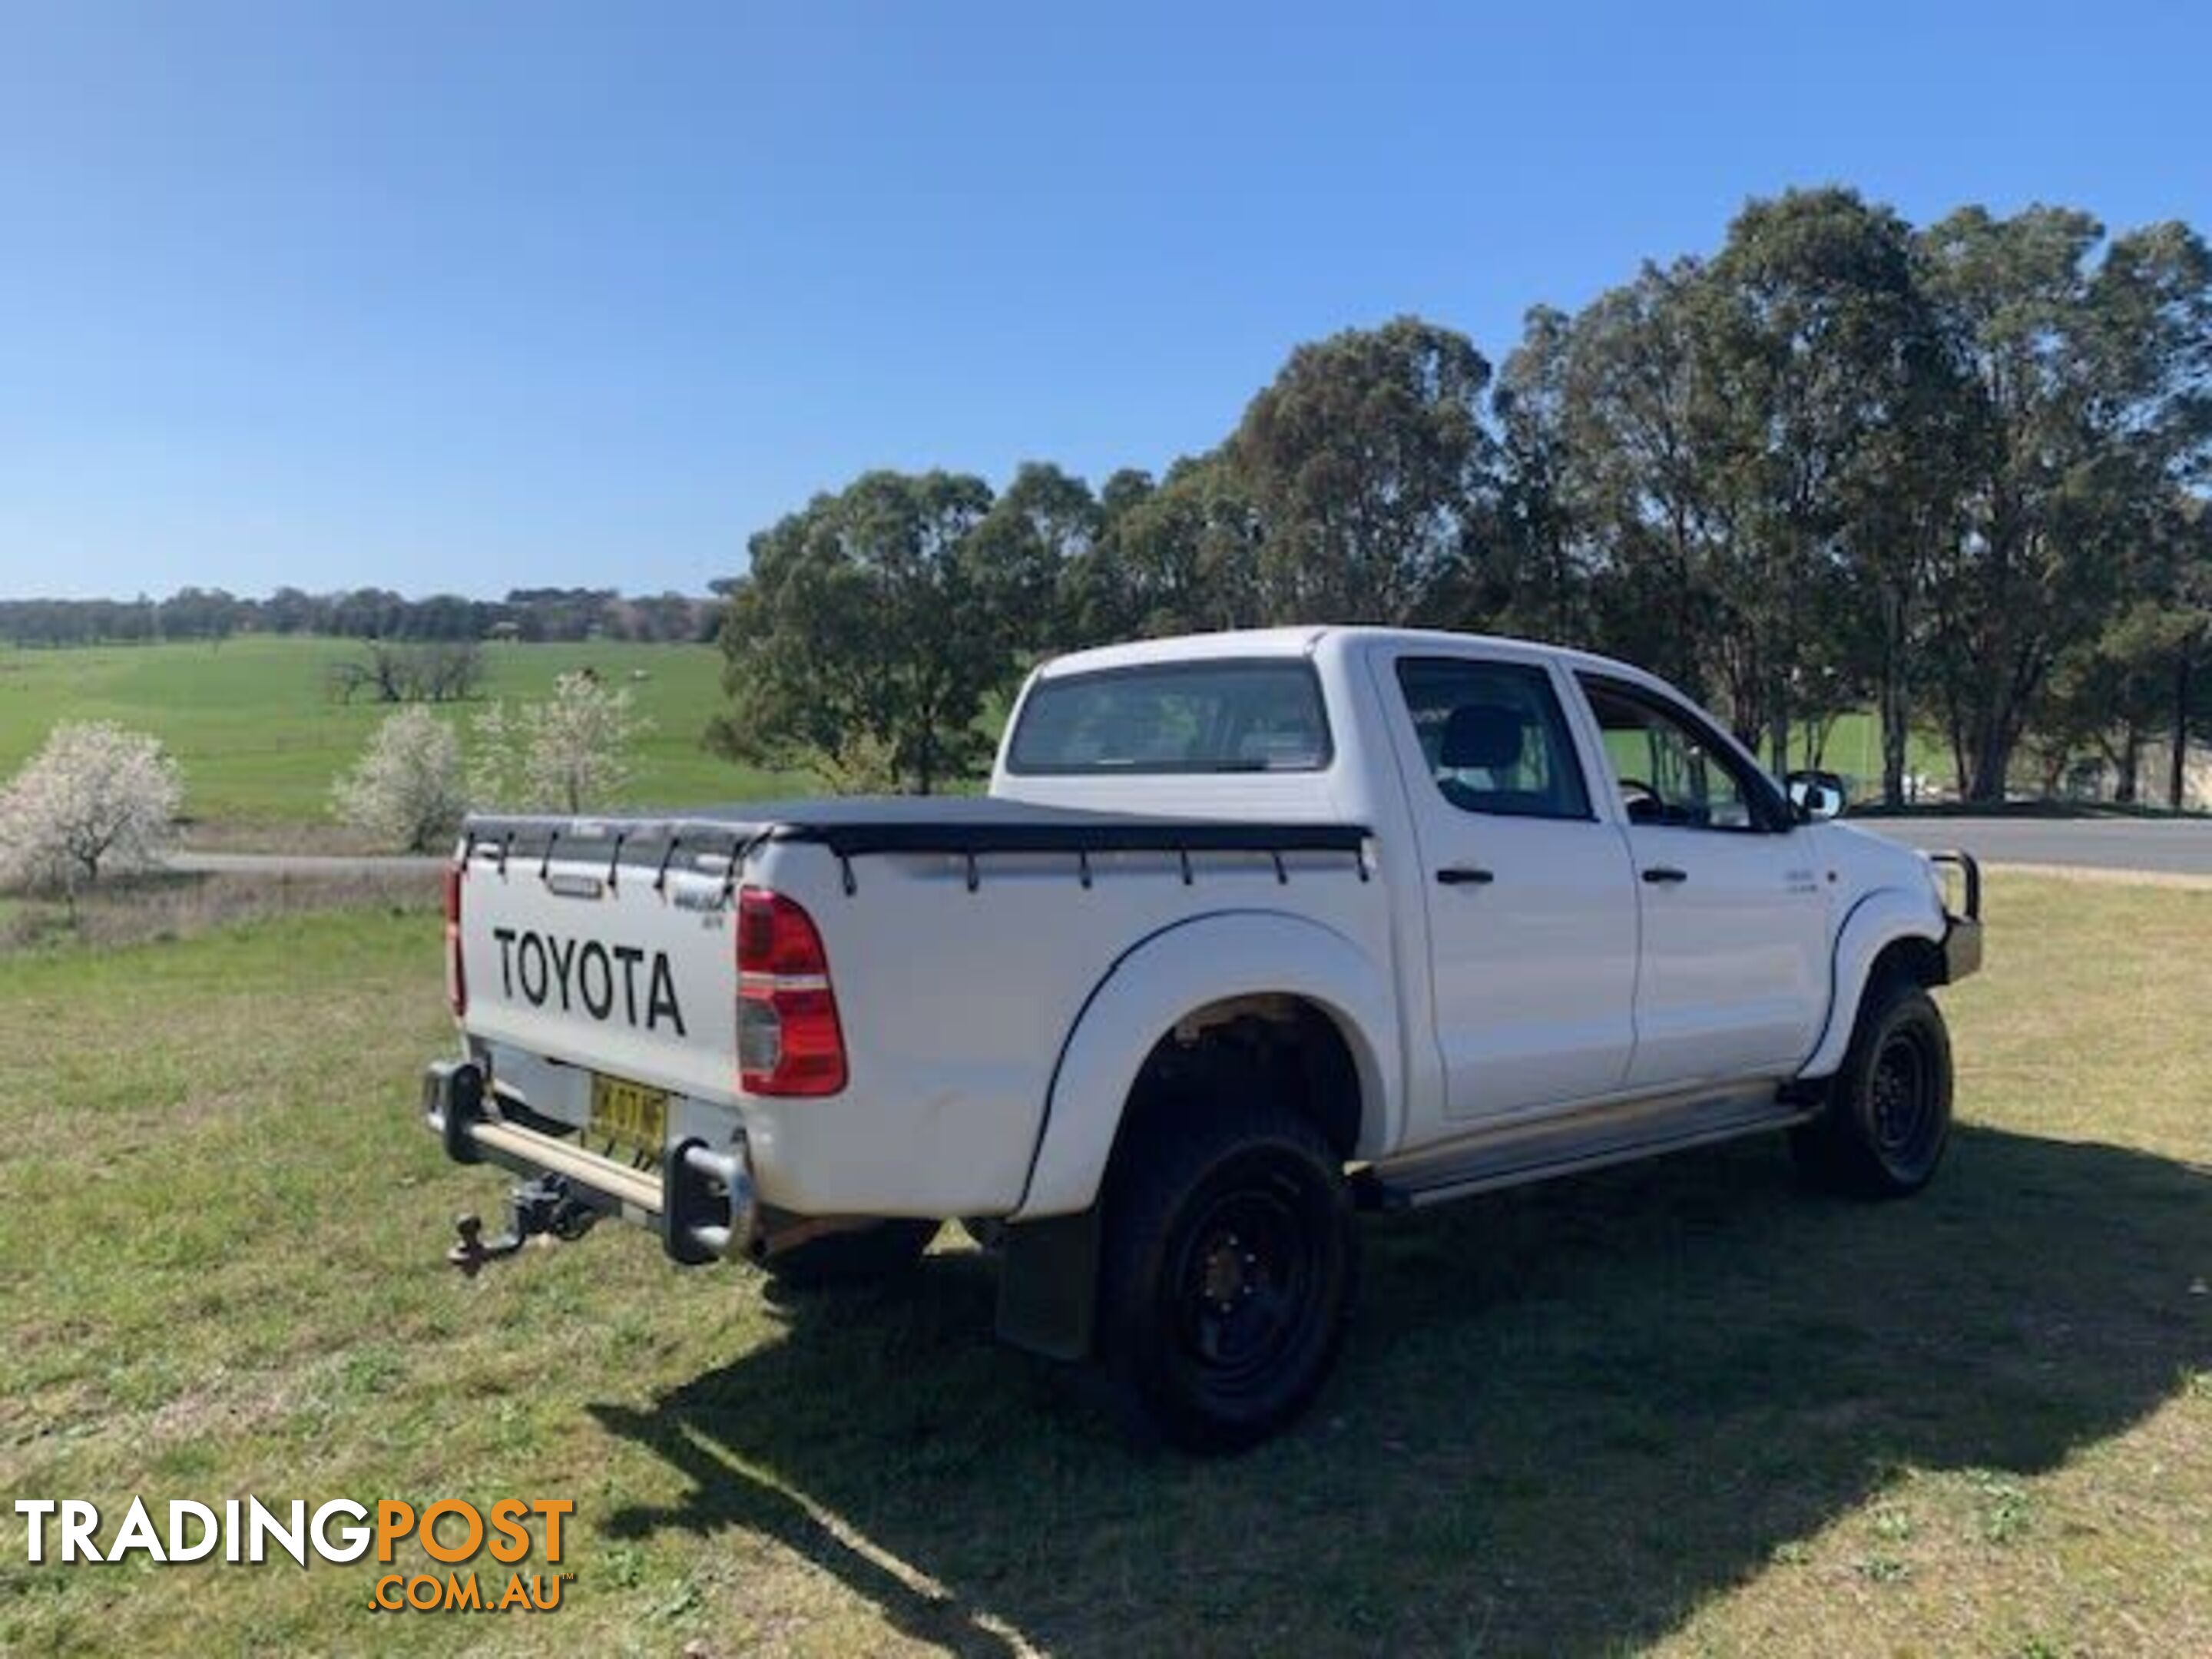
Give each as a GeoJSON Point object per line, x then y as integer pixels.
{"type": "Point", "coordinates": [2178, 847]}
{"type": "Point", "coordinates": [2167, 846]}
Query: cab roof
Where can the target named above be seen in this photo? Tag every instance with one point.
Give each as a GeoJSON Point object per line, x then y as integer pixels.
{"type": "Point", "coordinates": [1310, 639]}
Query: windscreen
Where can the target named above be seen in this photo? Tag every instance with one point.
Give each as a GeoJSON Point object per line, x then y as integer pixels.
{"type": "Point", "coordinates": [1175, 717]}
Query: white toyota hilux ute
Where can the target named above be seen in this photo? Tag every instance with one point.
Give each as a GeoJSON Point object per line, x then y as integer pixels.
{"type": "Point", "coordinates": [1253, 931]}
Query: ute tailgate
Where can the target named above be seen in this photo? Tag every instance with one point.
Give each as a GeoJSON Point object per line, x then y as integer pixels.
{"type": "Point", "coordinates": [606, 949]}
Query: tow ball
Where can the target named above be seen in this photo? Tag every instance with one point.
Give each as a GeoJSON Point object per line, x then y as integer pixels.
{"type": "Point", "coordinates": [543, 1206]}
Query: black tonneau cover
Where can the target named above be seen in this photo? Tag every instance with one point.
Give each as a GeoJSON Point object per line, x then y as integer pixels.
{"type": "Point", "coordinates": [851, 826]}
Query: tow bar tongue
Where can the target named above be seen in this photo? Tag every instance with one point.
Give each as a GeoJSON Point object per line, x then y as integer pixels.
{"type": "Point", "coordinates": [543, 1205]}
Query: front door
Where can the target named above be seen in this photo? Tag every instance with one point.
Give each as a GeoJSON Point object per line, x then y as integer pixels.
{"type": "Point", "coordinates": [1734, 979]}
{"type": "Point", "coordinates": [1531, 902]}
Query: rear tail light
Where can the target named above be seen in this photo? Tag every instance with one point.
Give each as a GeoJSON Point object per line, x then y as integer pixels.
{"type": "Point", "coordinates": [457, 984]}
{"type": "Point", "coordinates": [788, 1039]}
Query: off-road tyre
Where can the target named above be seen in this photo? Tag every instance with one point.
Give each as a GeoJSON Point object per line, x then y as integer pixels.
{"type": "Point", "coordinates": [1229, 1267]}
{"type": "Point", "coordinates": [1886, 1118]}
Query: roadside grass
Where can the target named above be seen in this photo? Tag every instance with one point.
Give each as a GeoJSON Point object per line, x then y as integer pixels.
{"type": "Point", "coordinates": [260, 741]}
{"type": "Point", "coordinates": [1680, 1407]}
{"type": "Point", "coordinates": [164, 906]}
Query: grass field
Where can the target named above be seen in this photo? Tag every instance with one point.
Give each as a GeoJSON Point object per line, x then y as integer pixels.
{"type": "Point", "coordinates": [1681, 1407]}
{"type": "Point", "coordinates": [260, 741]}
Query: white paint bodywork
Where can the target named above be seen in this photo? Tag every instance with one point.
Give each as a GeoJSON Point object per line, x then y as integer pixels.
{"type": "Point", "coordinates": [1886, 904]}
{"type": "Point", "coordinates": [993, 1033]}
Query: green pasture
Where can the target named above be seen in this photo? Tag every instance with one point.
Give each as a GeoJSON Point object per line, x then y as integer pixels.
{"type": "Point", "coordinates": [260, 738]}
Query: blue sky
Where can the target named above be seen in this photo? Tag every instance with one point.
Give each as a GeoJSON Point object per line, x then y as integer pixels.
{"type": "Point", "coordinates": [472, 296]}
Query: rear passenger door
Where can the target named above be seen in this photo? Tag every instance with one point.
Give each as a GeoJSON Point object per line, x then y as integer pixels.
{"type": "Point", "coordinates": [1531, 917]}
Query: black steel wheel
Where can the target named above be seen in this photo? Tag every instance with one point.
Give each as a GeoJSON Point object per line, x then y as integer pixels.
{"type": "Point", "coordinates": [1887, 1119]}
{"type": "Point", "coordinates": [1903, 1098]}
{"type": "Point", "coordinates": [1229, 1271]}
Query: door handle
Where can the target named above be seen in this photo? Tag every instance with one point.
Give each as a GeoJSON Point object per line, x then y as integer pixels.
{"type": "Point", "coordinates": [1665, 875]}
{"type": "Point", "coordinates": [1465, 875]}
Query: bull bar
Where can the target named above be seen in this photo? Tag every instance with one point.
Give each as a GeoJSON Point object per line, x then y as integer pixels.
{"type": "Point", "coordinates": [1961, 945]}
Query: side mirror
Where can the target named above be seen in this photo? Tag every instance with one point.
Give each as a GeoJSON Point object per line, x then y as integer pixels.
{"type": "Point", "coordinates": [1817, 796]}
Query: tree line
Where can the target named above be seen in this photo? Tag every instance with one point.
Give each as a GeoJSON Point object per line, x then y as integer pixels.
{"type": "Point", "coordinates": [1954, 472]}
{"type": "Point", "coordinates": [364, 613]}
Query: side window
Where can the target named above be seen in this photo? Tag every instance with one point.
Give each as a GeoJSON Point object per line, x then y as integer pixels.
{"type": "Point", "coordinates": [1668, 773]}
{"type": "Point", "coordinates": [1493, 738]}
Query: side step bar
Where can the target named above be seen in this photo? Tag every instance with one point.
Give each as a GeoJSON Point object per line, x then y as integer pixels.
{"type": "Point", "coordinates": [1589, 1138]}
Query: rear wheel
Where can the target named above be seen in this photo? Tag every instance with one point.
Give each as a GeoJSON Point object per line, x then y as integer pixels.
{"type": "Point", "coordinates": [1888, 1115]}
{"type": "Point", "coordinates": [1229, 1270]}
{"type": "Point", "coordinates": [858, 1255]}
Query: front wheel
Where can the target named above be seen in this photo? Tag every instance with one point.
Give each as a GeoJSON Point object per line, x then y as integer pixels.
{"type": "Point", "coordinates": [1889, 1113]}
{"type": "Point", "coordinates": [1231, 1260]}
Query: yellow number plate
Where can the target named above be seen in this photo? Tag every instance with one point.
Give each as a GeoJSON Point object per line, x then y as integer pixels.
{"type": "Point", "coordinates": [628, 1115]}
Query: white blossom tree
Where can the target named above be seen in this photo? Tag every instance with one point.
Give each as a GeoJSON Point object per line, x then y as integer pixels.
{"type": "Point", "coordinates": [565, 754]}
{"type": "Point", "coordinates": [407, 790]}
{"type": "Point", "coordinates": [96, 797]}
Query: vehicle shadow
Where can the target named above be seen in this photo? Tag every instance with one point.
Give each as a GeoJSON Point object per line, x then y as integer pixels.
{"type": "Point", "coordinates": [1569, 1415]}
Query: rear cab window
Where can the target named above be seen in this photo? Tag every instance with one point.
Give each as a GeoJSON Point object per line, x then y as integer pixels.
{"type": "Point", "coordinates": [1174, 718]}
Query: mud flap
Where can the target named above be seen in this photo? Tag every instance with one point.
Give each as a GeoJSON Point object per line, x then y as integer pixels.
{"type": "Point", "coordinates": [1049, 1284]}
